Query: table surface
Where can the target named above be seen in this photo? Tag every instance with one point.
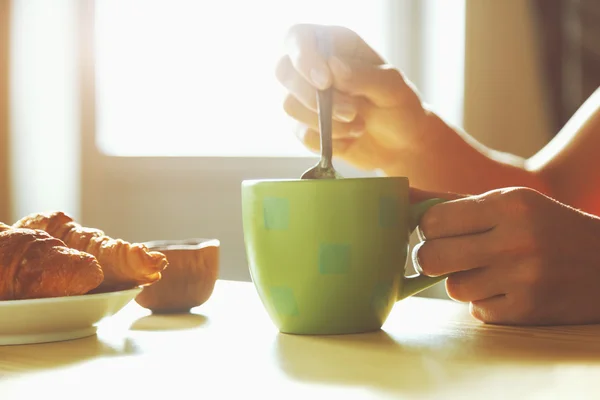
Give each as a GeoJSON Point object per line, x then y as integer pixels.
{"type": "Point", "coordinates": [228, 347]}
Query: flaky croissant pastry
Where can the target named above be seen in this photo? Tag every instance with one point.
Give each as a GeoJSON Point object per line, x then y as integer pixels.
{"type": "Point", "coordinates": [125, 265]}
{"type": "Point", "coordinates": [35, 265]}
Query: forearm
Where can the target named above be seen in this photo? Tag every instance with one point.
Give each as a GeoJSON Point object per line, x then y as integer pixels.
{"type": "Point", "coordinates": [569, 163]}
{"type": "Point", "coordinates": [458, 163]}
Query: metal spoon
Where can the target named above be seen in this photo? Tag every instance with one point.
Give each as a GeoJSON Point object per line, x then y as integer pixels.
{"type": "Point", "coordinates": [324, 169]}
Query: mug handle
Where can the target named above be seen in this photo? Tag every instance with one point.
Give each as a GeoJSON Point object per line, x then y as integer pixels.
{"type": "Point", "coordinates": [416, 283]}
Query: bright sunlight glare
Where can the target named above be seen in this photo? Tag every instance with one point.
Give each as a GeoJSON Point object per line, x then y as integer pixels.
{"type": "Point", "coordinates": [196, 78]}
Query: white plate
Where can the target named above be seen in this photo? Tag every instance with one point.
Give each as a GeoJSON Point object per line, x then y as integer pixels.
{"type": "Point", "coordinates": [59, 318]}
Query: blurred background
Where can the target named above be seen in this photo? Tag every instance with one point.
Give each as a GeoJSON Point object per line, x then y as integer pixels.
{"type": "Point", "coordinates": [142, 117]}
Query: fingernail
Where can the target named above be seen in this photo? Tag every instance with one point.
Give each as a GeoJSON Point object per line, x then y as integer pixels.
{"type": "Point", "coordinates": [415, 258]}
{"type": "Point", "coordinates": [340, 68]}
{"type": "Point", "coordinates": [344, 111]}
{"type": "Point", "coordinates": [319, 77]}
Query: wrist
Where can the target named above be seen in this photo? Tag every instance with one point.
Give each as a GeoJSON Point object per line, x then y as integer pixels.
{"type": "Point", "coordinates": [445, 158]}
{"type": "Point", "coordinates": [414, 146]}
{"type": "Point", "coordinates": [433, 151]}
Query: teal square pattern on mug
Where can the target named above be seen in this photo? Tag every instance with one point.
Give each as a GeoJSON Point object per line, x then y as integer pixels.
{"type": "Point", "coordinates": [284, 300]}
{"type": "Point", "coordinates": [327, 255]}
{"type": "Point", "coordinates": [276, 213]}
{"type": "Point", "coordinates": [334, 258]}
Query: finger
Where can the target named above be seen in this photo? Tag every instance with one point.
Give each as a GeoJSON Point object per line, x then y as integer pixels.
{"type": "Point", "coordinates": [304, 54]}
{"type": "Point", "coordinates": [303, 50]}
{"type": "Point", "coordinates": [349, 45]}
{"type": "Point", "coordinates": [344, 106]}
{"type": "Point", "coordinates": [382, 85]}
{"type": "Point", "coordinates": [295, 109]}
{"type": "Point", "coordinates": [359, 152]}
{"type": "Point", "coordinates": [456, 253]}
{"type": "Point", "coordinates": [496, 310]}
{"type": "Point", "coordinates": [476, 284]}
{"type": "Point", "coordinates": [312, 140]}
{"type": "Point", "coordinates": [418, 195]}
{"type": "Point", "coordinates": [468, 215]}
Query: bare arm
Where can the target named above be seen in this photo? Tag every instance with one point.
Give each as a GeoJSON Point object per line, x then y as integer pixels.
{"type": "Point", "coordinates": [567, 168]}
{"type": "Point", "coordinates": [570, 163]}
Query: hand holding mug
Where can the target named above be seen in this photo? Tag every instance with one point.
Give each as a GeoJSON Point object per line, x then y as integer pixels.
{"type": "Point", "coordinates": [519, 257]}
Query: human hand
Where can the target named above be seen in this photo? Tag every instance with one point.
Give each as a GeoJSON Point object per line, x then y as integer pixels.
{"type": "Point", "coordinates": [377, 114]}
{"type": "Point", "coordinates": [517, 256]}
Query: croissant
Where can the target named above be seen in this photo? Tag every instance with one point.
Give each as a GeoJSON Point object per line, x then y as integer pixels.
{"type": "Point", "coordinates": [125, 265]}
{"type": "Point", "coordinates": [34, 264]}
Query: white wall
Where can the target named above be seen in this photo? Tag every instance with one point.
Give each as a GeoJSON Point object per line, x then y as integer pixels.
{"type": "Point", "coordinates": [44, 107]}
{"type": "Point", "coordinates": [4, 112]}
{"type": "Point", "coordinates": [505, 105]}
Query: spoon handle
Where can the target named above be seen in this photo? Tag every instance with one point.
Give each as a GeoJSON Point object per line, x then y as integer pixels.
{"type": "Point", "coordinates": [325, 107]}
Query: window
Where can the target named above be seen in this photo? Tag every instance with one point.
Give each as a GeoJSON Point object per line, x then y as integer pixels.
{"type": "Point", "coordinates": [152, 122]}
{"type": "Point", "coordinates": [185, 78]}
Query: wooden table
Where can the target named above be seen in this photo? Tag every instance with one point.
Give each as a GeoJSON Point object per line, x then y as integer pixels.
{"type": "Point", "coordinates": [228, 348]}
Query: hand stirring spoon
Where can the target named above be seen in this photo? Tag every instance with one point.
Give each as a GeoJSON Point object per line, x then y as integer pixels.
{"type": "Point", "coordinates": [324, 169]}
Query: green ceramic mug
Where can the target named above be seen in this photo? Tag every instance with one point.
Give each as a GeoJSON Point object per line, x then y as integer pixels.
{"type": "Point", "coordinates": [329, 256]}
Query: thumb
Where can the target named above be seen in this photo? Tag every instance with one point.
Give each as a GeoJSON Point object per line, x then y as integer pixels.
{"type": "Point", "coordinates": [417, 195]}
{"type": "Point", "coordinates": [312, 140]}
{"type": "Point", "coordinates": [382, 85]}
